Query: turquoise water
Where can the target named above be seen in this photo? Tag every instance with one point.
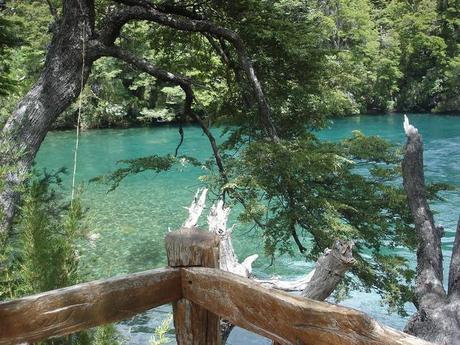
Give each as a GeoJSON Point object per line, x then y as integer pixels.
{"type": "Point", "coordinates": [130, 222]}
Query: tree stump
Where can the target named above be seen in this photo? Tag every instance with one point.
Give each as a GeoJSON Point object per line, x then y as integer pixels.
{"type": "Point", "coordinates": [184, 248]}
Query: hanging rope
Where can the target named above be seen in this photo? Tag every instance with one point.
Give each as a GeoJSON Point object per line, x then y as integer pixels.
{"type": "Point", "coordinates": [80, 99]}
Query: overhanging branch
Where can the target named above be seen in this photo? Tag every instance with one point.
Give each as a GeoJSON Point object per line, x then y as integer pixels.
{"type": "Point", "coordinates": [115, 20]}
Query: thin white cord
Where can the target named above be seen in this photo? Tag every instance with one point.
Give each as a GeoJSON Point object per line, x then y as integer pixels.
{"type": "Point", "coordinates": [77, 140]}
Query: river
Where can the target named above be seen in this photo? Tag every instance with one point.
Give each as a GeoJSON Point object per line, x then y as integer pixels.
{"type": "Point", "coordinates": [129, 223]}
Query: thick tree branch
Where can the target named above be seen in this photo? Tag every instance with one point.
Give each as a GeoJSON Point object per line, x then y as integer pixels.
{"type": "Point", "coordinates": [429, 253]}
{"type": "Point", "coordinates": [437, 318]}
{"type": "Point", "coordinates": [52, 9]}
{"type": "Point", "coordinates": [57, 87]}
{"type": "Point", "coordinates": [454, 270]}
{"type": "Point", "coordinates": [100, 50]}
{"type": "Point", "coordinates": [221, 49]}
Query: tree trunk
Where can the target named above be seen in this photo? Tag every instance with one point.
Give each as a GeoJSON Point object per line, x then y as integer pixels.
{"type": "Point", "coordinates": [438, 312]}
{"type": "Point", "coordinates": [63, 77]}
{"type": "Point", "coordinates": [57, 87]}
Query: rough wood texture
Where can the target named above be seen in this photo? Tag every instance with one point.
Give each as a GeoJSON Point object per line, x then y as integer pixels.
{"type": "Point", "coordinates": [217, 222]}
{"type": "Point", "coordinates": [64, 311]}
{"type": "Point", "coordinates": [56, 88]}
{"type": "Point", "coordinates": [438, 312]}
{"type": "Point", "coordinates": [282, 317]}
{"type": "Point", "coordinates": [329, 271]}
{"type": "Point", "coordinates": [189, 247]}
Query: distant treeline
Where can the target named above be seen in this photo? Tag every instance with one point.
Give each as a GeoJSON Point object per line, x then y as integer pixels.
{"type": "Point", "coordinates": [335, 57]}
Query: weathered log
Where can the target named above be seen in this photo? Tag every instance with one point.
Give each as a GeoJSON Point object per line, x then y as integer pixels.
{"type": "Point", "coordinates": [329, 271]}
{"type": "Point", "coordinates": [68, 310]}
{"type": "Point", "coordinates": [189, 247]}
{"type": "Point", "coordinates": [438, 312]}
{"type": "Point", "coordinates": [282, 317]}
{"type": "Point", "coordinates": [321, 281]}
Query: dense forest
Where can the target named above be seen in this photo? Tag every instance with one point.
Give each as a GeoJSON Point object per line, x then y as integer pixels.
{"type": "Point", "coordinates": [270, 74]}
{"type": "Point", "coordinates": [331, 57]}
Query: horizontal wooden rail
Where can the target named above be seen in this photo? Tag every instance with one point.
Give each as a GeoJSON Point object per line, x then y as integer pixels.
{"type": "Point", "coordinates": [282, 317]}
{"type": "Point", "coordinates": [64, 311]}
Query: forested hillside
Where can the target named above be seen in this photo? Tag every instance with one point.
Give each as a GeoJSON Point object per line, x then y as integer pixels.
{"type": "Point", "coordinates": [335, 57]}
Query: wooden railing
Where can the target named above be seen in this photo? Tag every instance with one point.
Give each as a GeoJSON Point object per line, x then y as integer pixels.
{"type": "Point", "coordinates": [200, 297]}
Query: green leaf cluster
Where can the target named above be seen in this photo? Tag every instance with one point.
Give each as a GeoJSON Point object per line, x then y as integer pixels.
{"type": "Point", "coordinates": [321, 191]}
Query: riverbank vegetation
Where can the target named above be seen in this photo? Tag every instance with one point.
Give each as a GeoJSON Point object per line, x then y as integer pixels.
{"type": "Point", "coordinates": [270, 74]}
{"type": "Point", "coordinates": [42, 252]}
{"type": "Point", "coordinates": [337, 57]}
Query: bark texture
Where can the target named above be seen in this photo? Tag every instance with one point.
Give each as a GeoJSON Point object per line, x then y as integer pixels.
{"type": "Point", "coordinates": [57, 87]}
{"type": "Point", "coordinates": [64, 311]}
{"type": "Point", "coordinates": [189, 247]}
{"type": "Point", "coordinates": [438, 311]}
{"type": "Point", "coordinates": [284, 318]}
{"type": "Point", "coordinates": [64, 74]}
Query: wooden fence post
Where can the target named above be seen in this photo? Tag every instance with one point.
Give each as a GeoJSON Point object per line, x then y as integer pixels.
{"type": "Point", "coordinates": [184, 248]}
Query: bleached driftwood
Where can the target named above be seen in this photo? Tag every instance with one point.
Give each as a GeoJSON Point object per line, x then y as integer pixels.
{"type": "Point", "coordinates": [329, 269]}
{"type": "Point", "coordinates": [321, 281]}
{"type": "Point", "coordinates": [318, 284]}
{"type": "Point", "coordinates": [217, 222]}
{"type": "Point", "coordinates": [196, 208]}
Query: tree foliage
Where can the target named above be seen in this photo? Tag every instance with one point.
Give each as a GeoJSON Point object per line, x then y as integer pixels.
{"type": "Point", "coordinates": [42, 255]}
{"type": "Point", "coordinates": [314, 59]}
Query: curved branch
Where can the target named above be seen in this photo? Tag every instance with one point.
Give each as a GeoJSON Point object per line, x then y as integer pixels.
{"type": "Point", "coordinates": [176, 79]}
{"type": "Point", "coordinates": [115, 20]}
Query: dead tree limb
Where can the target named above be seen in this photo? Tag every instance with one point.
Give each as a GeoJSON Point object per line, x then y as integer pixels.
{"type": "Point", "coordinates": [318, 284]}
{"type": "Point", "coordinates": [438, 313]}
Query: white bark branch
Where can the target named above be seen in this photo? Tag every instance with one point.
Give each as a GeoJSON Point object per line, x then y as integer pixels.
{"type": "Point", "coordinates": [318, 284]}
{"type": "Point", "coordinates": [196, 208]}
{"type": "Point", "coordinates": [217, 220]}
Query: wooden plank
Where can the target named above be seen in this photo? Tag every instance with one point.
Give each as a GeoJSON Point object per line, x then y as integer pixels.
{"type": "Point", "coordinates": [189, 247]}
{"type": "Point", "coordinates": [64, 311]}
{"type": "Point", "coordinates": [281, 317]}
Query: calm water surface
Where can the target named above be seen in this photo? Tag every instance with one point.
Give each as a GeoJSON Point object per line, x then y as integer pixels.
{"type": "Point", "coordinates": [131, 222]}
